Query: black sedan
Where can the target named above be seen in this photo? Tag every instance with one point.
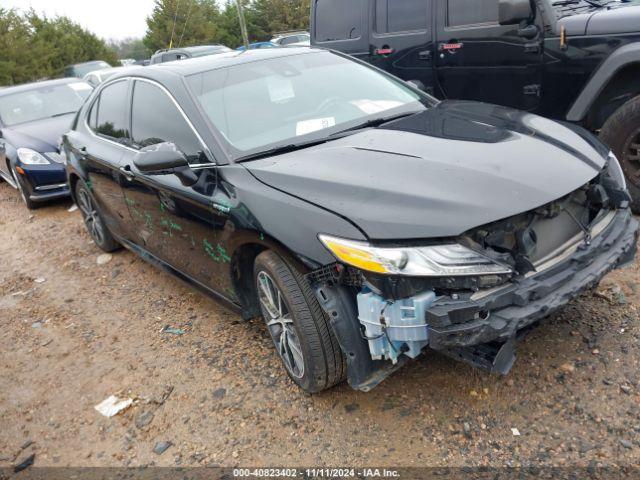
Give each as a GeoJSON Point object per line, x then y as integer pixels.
{"type": "Point", "coordinates": [363, 219]}
{"type": "Point", "coordinates": [33, 118]}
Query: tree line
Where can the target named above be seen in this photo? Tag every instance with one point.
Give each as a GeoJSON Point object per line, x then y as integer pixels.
{"type": "Point", "coordinates": [34, 46]}
{"type": "Point", "coordinates": [195, 22]}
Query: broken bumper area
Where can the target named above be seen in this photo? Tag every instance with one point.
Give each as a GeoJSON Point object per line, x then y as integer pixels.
{"type": "Point", "coordinates": [499, 315]}
{"type": "Point", "coordinates": [480, 329]}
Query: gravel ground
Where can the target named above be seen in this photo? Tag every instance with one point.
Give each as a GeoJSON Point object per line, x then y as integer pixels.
{"type": "Point", "coordinates": [75, 332]}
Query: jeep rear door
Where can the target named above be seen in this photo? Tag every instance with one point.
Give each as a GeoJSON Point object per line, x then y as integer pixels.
{"type": "Point", "coordinates": [479, 59]}
{"type": "Point", "coordinates": [341, 26]}
{"type": "Point", "coordinates": [401, 39]}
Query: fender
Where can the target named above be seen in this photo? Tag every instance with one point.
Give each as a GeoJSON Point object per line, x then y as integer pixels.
{"type": "Point", "coordinates": [599, 80]}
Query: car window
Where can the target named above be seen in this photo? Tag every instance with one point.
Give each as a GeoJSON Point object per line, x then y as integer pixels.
{"type": "Point", "coordinates": [338, 20]}
{"type": "Point", "coordinates": [478, 12]}
{"type": "Point", "coordinates": [297, 98]}
{"type": "Point", "coordinates": [111, 119]}
{"type": "Point", "coordinates": [405, 16]}
{"type": "Point", "coordinates": [289, 40]}
{"type": "Point", "coordinates": [155, 119]}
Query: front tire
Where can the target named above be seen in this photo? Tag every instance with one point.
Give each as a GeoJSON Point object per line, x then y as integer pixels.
{"type": "Point", "coordinates": [622, 133]}
{"type": "Point", "coordinates": [297, 324]}
{"type": "Point", "coordinates": [93, 220]}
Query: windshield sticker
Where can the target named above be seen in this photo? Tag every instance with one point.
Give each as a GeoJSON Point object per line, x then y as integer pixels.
{"type": "Point", "coordinates": [371, 107]}
{"type": "Point", "coordinates": [79, 86]}
{"type": "Point", "coordinates": [310, 126]}
{"type": "Point", "coordinates": [280, 89]}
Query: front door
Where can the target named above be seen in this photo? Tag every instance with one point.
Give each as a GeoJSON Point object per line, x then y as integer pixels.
{"type": "Point", "coordinates": [479, 59]}
{"type": "Point", "coordinates": [401, 40]}
{"type": "Point", "coordinates": [175, 222]}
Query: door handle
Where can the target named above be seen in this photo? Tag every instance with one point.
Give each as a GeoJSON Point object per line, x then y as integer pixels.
{"type": "Point", "coordinates": [451, 47]}
{"type": "Point", "coordinates": [425, 55]}
{"type": "Point", "coordinates": [386, 50]}
{"type": "Point", "coordinates": [128, 174]}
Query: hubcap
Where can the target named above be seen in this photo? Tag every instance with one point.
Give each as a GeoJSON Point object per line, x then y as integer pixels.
{"type": "Point", "coordinates": [90, 216]}
{"type": "Point", "coordinates": [280, 323]}
{"type": "Point", "coordinates": [631, 158]}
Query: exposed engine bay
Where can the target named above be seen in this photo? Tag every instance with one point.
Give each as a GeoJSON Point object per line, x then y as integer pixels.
{"type": "Point", "coordinates": [398, 316]}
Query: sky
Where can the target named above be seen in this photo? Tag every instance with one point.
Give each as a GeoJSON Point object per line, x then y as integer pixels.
{"type": "Point", "coordinates": [109, 19]}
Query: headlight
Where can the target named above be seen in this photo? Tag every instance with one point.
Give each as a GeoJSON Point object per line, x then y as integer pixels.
{"type": "Point", "coordinates": [432, 261]}
{"type": "Point", "coordinates": [31, 157]}
{"type": "Point", "coordinates": [615, 171]}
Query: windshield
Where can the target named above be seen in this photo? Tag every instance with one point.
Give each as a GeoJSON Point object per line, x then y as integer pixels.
{"type": "Point", "coordinates": [264, 104]}
{"type": "Point", "coordinates": [43, 102]}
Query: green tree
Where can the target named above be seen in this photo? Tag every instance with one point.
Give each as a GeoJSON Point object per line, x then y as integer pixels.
{"type": "Point", "coordinates": [271, 16]}
{"type": "Point", "coordinates": [130, 48]}
{"type": "Point", "coordinates": [34, 47]}
{"type": "Point", "coordinates": [180, 23]}
{"type": "Point", "coordinates": [16, 63]}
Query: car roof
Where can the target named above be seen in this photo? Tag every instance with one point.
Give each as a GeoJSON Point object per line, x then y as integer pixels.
{"type": "Point", "coordinates": [34, 85]}
{"type": "Point", "coordinates": [85, 63]}
{"type": "Point", "coordinates": [228, 59]}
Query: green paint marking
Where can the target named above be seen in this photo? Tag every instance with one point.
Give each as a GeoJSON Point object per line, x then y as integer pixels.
{"type": "Point", "coordinates": [223, 253]}
{"type": "Point", "coordinates": [262, 236]}
{"type": "Point", "coordinates": [162, 207]}
{"type": "Point", "coordinates": [129, 201]}
{"type": "Point", "coordinates": [167, 223]}
{"type": "Point", "coordinates": [89, 185]}
{"type": "Point", "coordinates": [148, 220]}
{"type": "Point", "coordinates": [219, 254]}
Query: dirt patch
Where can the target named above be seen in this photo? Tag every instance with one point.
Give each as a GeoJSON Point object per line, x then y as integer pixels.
{"type": "Point", "coordinates": [75, 332]}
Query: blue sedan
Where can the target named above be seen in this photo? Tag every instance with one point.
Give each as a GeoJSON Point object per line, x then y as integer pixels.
{"type": "Point", "coordinates": [33, 118]}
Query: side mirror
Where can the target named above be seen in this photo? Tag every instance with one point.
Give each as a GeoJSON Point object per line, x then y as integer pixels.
{"type": "Point", "coordinates": [162, 159]}
{"type": "Point", "coordinates": [512, 12]}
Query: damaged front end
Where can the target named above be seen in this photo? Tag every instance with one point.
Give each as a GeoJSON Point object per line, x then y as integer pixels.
{"type": "Point", "coordinates": [472, 297]}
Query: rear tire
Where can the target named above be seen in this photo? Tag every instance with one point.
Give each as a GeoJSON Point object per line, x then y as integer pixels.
{"type": "Point", "coordinates": [93, 220]}
{"type": "Point", "coordinates": [293, 307]}
{"type": "Point", "coordinates": [622, 133]}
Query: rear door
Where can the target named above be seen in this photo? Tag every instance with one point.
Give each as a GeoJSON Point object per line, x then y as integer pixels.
{"type": "Point", "coordinates": [341, 25]}
{"type": "Point", "coordinates": [100, 145]}
{"type": "Point", "coordinates": [401, 39]}
{"type": "Point", "coordinates": [479, 59]}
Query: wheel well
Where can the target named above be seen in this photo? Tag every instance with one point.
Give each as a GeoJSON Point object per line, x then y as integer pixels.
{"type": "Point", "coordinates": [242, 270]}
{"type": "Point", "coordinates": [622, 87]}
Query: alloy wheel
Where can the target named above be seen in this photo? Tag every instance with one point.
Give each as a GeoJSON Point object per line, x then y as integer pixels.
{"type": "Point", "coordinates": [91, 217]}
{"type": "Point", "coordinates": [280, 323]}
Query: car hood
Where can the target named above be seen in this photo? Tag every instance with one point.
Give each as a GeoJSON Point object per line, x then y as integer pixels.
{"type": "Point", "coordinates": [620, 19]}
{"type": "Point", "coordinates": [42, 135]}
{"type": "Point", "coordinates": [439, 173]}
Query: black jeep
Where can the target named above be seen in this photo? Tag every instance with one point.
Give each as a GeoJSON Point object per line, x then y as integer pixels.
{"type": "Point", "coordinates": [572, 60]}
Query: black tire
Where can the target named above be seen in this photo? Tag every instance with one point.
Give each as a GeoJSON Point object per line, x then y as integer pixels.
{"type": "Point", "coordinates": [324, 364]}
{"type": "Point", "coordinates": [96, 226]}
{"type": "Point", "coordinates": [621, 131]}
{"type": "Point", "coordinates": [31, 205]}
